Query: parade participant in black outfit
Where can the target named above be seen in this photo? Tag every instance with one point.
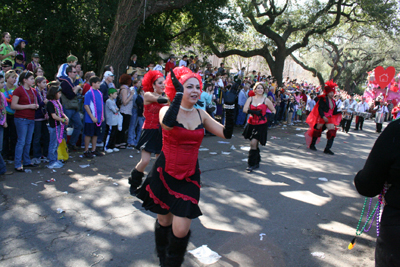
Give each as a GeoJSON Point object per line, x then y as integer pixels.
{"type": "Point", "coordinates": [256, 128]}
{"type": "Point", "coordinates": [151, 137]}
{"type": "Point", "coordinates": [383, 167]}
{"type": "Point", "coordinates": [172, 188]}
{"type": "Point", "coordinates": [323, 116]}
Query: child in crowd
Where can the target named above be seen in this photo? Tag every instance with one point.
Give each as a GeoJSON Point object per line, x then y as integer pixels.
{"type": "Point", "coordinates": [57, 121]}
{"type": "Point", "coordinates": [10, 133]}
{"type": "Point", "coordinates": [291, 109]}
{"type": "Point", "coordinates": [19, 45]}
{"type": "Point", "coordinates": [34, 63]}
{"type": "Point", "coordinates": [71, 60]}
{"type": "Point", "coordinates": [111, 120]}
{"type": "Point", "coordinates": [19, 67]}
{"type": "Point", "coordinates": [24, 101]}
{"type": "Point", "coordinates": [94, 117]}
{"type": "Point", "coordinates": [6, 50]}
{"type": "Point", "coordinates": [40, 144]}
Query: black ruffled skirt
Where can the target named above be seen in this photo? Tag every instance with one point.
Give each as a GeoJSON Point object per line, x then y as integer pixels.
{"type": "Point", "coordinates": [161, 193]}
{"type": "Point", "coordinates": [150, 140]}
{"type": "Point", "coordinates": [258, 132]}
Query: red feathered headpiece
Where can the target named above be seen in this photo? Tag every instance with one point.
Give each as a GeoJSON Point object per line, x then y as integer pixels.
{"type": "Point", "coordinates": [149, 79]}
{"type": "Point", "coordinates": [329, 87]}
{"type": "Point", "coordinates": [182, 74]}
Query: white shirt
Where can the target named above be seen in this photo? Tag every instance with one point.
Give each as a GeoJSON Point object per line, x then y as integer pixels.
{"type": "Point", "coordinates": [158, 67]}
{"type": "Point", "coordinates": [339, 105]}
{"type": "Point", "coordinates": [381, 109]}
{"type": "Point", "coordinates": [349, 107]}
{"type": "Point", "coordinates": [362, 107]}
{"type": "Point", "coordinates": [182, 63]}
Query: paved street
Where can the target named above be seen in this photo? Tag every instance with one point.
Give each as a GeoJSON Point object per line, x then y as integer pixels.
{"type": "Point", "coordinates": [104, 226]}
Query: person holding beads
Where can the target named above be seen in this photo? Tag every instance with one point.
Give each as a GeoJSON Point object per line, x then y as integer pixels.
{"type": "Point", "coordinates": [94, 117]}
{"type": "Point", "coordinates": [151, 137]}
{"type": "Point", "coordinates": [40, 146]}
{"type": "Point", "coordinates": [172, 188]}
{"type": "Point", "coordinates": [256, 129]}
{"type": "Point", "coordinates": [57, 122]}
{"type": "Point", "coordinates": [25, 103]}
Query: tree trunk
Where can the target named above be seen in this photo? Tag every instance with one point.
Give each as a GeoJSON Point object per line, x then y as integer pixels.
{"type": "Point", "coordinates": [130, 15]}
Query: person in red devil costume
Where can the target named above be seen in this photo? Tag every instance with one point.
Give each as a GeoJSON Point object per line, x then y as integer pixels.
{"type": "Point", "coordinates": [150, 140]}
{"type": "Point", "coordinates": [323, 116]}
{"type": "Point", "coordinates": [172, 188]}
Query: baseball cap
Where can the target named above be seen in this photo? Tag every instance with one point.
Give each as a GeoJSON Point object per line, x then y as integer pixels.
{"type": "Point", "coordinates": [35, 55]}
{"type": "Point", "coordinates": [112, 91]}
{"type": "Point", "coordinates": [18, 41]}
{"type": "Point", "coordinates": [107, 74]}
{"type": "Point", "coordinates": [6, 63]}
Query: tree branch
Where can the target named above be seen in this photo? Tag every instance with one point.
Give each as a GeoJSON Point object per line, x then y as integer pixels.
{"type": "Point", "coordinates": [310, 69]}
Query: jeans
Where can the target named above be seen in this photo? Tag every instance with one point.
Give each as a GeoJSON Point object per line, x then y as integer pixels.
{"type": "Point", "coordinates": [132, 127]}
{"type": "Point", "coordinates": [40, 139]}
{"type": "Point", "coordinates": [276, 116]}
{"type": "Point", "coordinates": [1, 137]}
{"type": "Point", "coordinates": [25, 129]}
{"type": "Point", "coordinates": [139, 126]}
{"type": "Point", "coordinates": [53, 144]}
{"type": "Point", "coordinates": [2, 166]}
{"type": "Point", "coordinates": [241, 118]}
{"type": "Point", "coordinates": [75, 120]}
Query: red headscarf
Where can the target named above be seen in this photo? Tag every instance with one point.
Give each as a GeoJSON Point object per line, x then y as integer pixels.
{"type": "Point", "coordinates": [149, 79]}
{"type": "Point", "coordinates": [182, 74]}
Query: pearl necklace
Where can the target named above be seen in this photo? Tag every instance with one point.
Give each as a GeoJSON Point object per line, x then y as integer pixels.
{"type": "Point", "coordinates": [186, 109]}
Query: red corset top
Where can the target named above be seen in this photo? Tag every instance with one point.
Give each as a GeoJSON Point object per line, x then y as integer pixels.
{"type": "Point", "coordinates": [181, 149]}
{"type": "Point", "coordinates": [256, 120]}
{"type": "Point", "coordinates": [151, 114]}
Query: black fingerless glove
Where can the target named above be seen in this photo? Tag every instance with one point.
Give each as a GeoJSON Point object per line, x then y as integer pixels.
{"type": "Point", "coordinates": [229, 121]}
{"type": "Point", "coordinates": [172, 112]}
{"type": "Point", "coordinates": [254, 112]}
{"type": "Point", "coordinates": [162, 100]}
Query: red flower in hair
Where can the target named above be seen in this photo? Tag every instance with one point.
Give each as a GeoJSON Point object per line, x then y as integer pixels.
{"type": "Point", "coordinates": [149, 79]}
{"type": "Point", "coordinates": [182, 74]}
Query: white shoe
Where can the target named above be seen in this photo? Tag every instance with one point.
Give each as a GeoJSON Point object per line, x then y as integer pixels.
{"type": "Point", "coordinates": [35, 161]}
{"type": "Point", "coordinates": [116, 150]}
{"type": "Point", "coordinates": [109, 150]}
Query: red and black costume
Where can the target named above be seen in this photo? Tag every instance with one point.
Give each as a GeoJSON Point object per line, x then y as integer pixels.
{"type": "Point", "coordinates": [151, 136]}
{"type": "Point", "coordinates": [256, 128]}
{"type": "Point", "coordinates": [173, 184]}
{"type": "Point", "coordinates": [323, 108]}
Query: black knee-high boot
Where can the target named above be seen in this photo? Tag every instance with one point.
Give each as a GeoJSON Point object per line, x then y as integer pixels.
{"type": "Point", "coordinates": [313, 142]}
{"type": "Point", "coordinates": [176, 250]}
{"type": "Point", "coordinates": [252, 160]}
{"type": "Point", "coordinates": [135, 181]}
{"type": "Point", "coordinates": [329, 144]}
{"type": "Point", "coordinates": [258, 158]}
{"type": "Point", "coordinates": [161, 235]}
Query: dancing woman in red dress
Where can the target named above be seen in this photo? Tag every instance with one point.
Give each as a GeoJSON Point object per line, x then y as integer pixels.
{"type": "Point", "coordinates": [323, 116]}
{"type": "Point", "coordinates": [172, 188]}
{"type": "Point", "coordinates": [151, 137]}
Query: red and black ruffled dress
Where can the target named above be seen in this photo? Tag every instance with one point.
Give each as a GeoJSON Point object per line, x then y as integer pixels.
{"type": "Point", "coordinates": [257, 127]}
{"type": "Point", "coordinates": [173, 184]}
{"type": "Point", "coordinates": [151, 137]}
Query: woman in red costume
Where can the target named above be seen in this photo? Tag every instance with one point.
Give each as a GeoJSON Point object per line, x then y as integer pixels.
{"type": "Point", "coordinates": [151, 137]}
{"type": "Point", "coordinates": [256, 128]}
{"type": "Point", "coordinates": [172, 188]}
{"type": "Point", "coordinates": [323, 116]}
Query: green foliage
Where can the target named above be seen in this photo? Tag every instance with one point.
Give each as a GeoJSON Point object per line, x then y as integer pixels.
{"type": "Point", "coordinates": [56, 28]}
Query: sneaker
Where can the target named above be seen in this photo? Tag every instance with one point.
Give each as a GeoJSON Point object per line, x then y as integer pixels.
{"type": "Point", "coordinates": [109, 150]}
{"type": "Point", "coordinates": [88, 154]}
{"type": "Point", "coordinates": [60, 163]}
{"type": "Point", "coordinates": [44, 159]}
{"type": "Point", "coordinates": [116, 150]}
{"type": "Point", "coordinates": [96, 153]}
{"type": "Point", "coordinates": [100, 144]}
{"type": "Point", "coordinates": [35, 161]}
{"type": "Point", "coordinates": [55, 165]}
